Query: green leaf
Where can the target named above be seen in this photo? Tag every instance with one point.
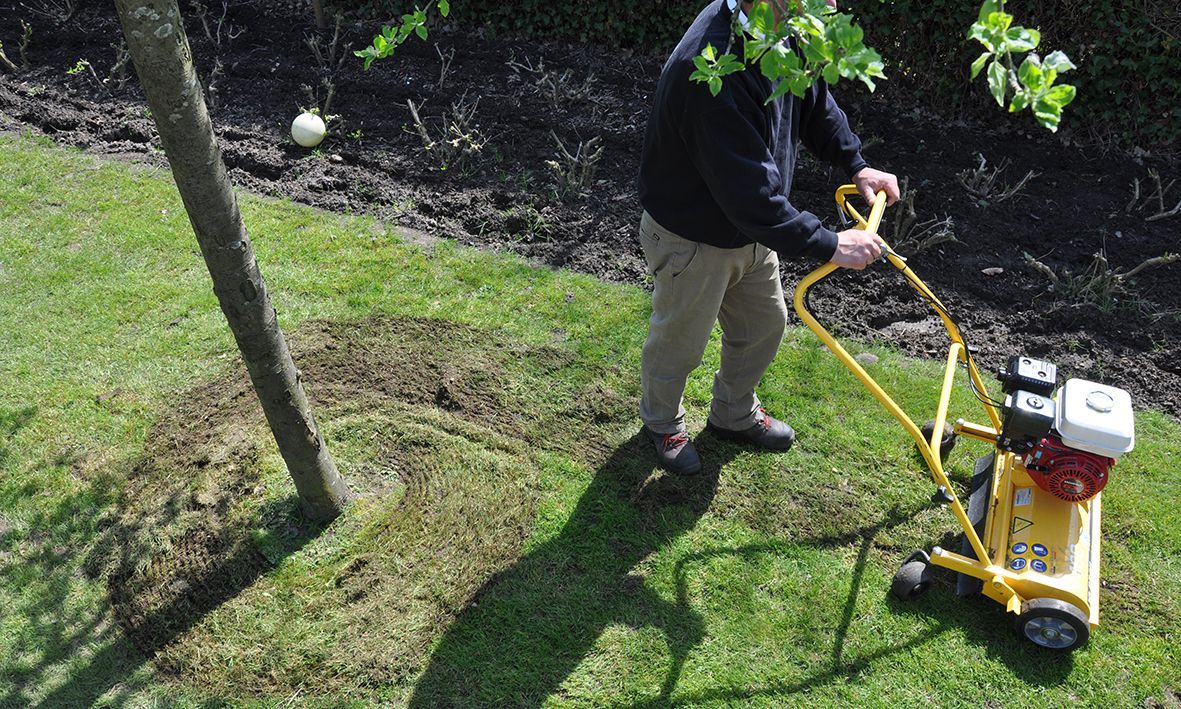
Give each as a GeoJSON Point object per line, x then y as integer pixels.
{"type": "Point", "coordinates": [709, 53]}
{"type": "Point", "coordinates": [420, 31]}
{"type": "Point", "coordinates": [979, 63]}
{"type": "Point", "coordinates": [831, 74]}
{"type": "Point", "coordinates": [1047, 114]}
{"type": "Point", "coordinates": [997, 78]}
{"type": "Point", "coordinates": [1020, 39]}
{"type": "Point", "coordinates": [1020, 102]}
{"type": "Point", "coordinates": [1060, 95]}
{"type": "Point", "coordinates": [444, 8]}
{"type": "Point", "coordinates": [1058, 62]}
{"type": "Point", "coordinates": [989, 7]}
{"type": "Point", "coordinates": [715, 85]}
{"type": "Point", "coordinates": [1030, 73]}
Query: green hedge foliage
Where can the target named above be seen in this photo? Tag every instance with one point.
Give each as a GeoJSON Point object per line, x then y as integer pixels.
{"type": "Point", "coordinates": [1128, 51]}
{"type": "Point", "coordinates": [1128, 55]}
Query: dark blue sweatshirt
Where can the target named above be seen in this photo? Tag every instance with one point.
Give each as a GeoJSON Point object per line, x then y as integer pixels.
{"type": "Point", "coordinates": [718, 169]}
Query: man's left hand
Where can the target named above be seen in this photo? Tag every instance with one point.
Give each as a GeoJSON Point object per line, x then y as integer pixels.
{"type": "Point", "coordinates": [870, 181]}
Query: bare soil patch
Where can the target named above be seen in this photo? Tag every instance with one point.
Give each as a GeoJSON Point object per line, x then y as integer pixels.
{"type": "Point", "coordinates": [506, 197]}
{"type": "Point", "coordinates": [199, 527]}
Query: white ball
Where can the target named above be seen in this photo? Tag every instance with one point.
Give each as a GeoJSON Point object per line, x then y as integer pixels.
{"type": "Point", "coordinates": [308, 130]}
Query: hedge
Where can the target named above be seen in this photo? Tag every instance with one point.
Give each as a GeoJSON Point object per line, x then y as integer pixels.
{"type": "Point", "coordinates": [1129, 52]}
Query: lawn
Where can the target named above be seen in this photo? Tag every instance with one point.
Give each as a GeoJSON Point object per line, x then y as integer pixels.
{"type": "Point", "coordinates": [512, 544]}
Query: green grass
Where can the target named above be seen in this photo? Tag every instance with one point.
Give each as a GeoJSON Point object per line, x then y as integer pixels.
{"type": "Point", "coordinates": [513, 544]}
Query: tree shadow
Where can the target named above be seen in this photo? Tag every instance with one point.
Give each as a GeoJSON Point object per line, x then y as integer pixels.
{"type": "Point", "coordinates": [528, 627]}
{"type": "Point", "coordinates": [151, 597]}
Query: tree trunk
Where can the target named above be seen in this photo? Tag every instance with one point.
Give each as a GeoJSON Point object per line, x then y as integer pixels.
{"type": "Point", "coordinates": [160, 50]}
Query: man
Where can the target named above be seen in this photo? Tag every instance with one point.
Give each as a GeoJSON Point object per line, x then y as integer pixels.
{"type": "Point", "coordinates": [715, 175]}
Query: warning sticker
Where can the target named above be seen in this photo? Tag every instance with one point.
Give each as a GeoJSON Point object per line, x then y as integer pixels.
{"type": "Point", "coordinates": [1020, 524]}
{"type": "Point", "coordinates": [1023, 496]}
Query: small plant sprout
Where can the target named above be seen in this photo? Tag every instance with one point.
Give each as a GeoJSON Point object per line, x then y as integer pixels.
{"type": "Point", "coordinates": [85, 68]}
{"type": "Point", "coordinates": [912, 235]}
{"type": "Point", "coordinates": [1157, 196]}
{"type": "Point", "coordinates": [1098, 284]}
{"type": "Point", "coordinates": [576, 171]}
{"type": "Point", "coordinates": [984, 183]}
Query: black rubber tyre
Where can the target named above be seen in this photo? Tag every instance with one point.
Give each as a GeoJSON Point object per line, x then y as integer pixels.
{"type": "Point", "coordinates": [948, 441]}
{"type": "Point", "coordinates": [911, 581]}
{"type": "Point", "coordinates": [1053, 624]}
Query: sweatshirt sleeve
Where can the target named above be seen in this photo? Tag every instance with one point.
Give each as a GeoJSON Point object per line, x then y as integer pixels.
{"type": "Point", "coordinates": [825, 131]}
{"type": "Point", "coordinates": [744, 180]}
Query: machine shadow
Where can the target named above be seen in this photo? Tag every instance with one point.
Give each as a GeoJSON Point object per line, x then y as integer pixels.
{"type": "Point", "coordinates": [527, 629]}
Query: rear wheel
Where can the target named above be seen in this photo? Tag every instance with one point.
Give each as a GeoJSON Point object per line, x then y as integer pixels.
{"type": "Point", "coordinates": [912, 580]}
{"type": "Point", "coordinates": [1053, 624]}
{"type": "Point", "coordinates": [948, 440]}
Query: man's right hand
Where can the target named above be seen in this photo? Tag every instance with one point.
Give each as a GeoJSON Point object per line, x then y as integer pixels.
{"type": "Point", "coordinates": [856, 249]}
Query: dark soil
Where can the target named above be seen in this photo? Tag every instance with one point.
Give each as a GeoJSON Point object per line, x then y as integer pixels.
{"type": "Point", "coordinates": [506, 197]}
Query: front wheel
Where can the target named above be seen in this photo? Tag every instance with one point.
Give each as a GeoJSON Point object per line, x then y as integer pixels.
{"type": "Point", "coordinates": [911, 581]}
{"type": "Point", "coordinates": [1053, 624]}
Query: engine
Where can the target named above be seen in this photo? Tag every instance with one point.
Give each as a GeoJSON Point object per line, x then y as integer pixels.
{"type": "Point", "coordinates": [1066, 473]}
{"type": "Point", "coordinates": [1069, 439]}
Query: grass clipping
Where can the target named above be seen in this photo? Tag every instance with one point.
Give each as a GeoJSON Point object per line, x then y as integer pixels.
{"type": "Point", "coordinates": [213, 572]}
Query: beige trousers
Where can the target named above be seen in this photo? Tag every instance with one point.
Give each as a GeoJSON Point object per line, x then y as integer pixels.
{"type": "Point", "coordinates": [697, 285]}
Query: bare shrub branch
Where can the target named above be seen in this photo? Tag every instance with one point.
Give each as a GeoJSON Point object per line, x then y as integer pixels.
{"type": "Point", "coordinates": [445, 59]}
{"type": "Point", "coordinates": [459, 139]}
{"type": "Point", "coordinates": [983, 183]}
{"type": "Point", "coordinates": [576, 171]}
{"type": "Point", "coordinates": [1098, 284]}
{"type": "Point", "coordinates": [913, 235]}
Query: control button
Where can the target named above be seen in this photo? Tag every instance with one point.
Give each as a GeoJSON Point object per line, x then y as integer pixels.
{"type": "Point", "coordinates": [1040, 550]}
{"type": "Point", "coordinates": [1017, 564]}
{"type": "Point", "coordinates": [1038, 565]}
{"type": "Point", "coordinates": [1020, 548]}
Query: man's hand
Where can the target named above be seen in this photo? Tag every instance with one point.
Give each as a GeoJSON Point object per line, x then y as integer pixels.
{"type": "Point", "coordinates": [856, 249]}
{"type": "Point", "coordinates": [870, 181]}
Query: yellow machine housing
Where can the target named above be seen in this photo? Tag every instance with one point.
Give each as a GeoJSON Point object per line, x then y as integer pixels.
{"type": "Point", "coordinates": [1035, 554]}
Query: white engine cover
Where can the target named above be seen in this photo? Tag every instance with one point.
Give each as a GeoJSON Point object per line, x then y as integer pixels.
{"type": "Point", "coordinates": [1095, 418]}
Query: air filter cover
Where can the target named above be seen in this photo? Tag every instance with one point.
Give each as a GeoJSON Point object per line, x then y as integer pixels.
{"type": "Point", "coordinates": [1095, 418]}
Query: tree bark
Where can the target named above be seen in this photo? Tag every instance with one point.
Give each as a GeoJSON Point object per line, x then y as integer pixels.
{"type": "Point", "coordinates": [163, 60]}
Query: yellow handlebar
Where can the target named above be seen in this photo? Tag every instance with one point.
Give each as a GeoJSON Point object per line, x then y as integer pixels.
{"type": "Point", "coordinates": [958, 352]}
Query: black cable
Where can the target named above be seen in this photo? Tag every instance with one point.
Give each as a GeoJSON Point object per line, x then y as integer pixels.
{"type": "Point", "coordinates": [934, 303]}
{"type": "Point", "coordinates": [982, 398]}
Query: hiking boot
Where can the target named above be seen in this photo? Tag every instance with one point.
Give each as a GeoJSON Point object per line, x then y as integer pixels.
{"type": "Point", "coordinates": [675, 452]}
{"type": "Point", "coordinates": [767, 433]}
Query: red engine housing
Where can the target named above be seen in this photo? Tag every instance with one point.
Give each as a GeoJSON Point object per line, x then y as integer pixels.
{"type": "Point", "coordinates": [1067, 473]}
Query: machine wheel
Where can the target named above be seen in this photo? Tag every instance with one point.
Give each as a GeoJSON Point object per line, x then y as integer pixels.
{"type": "Point", "coordinates": [912, 580]}
{"type": "Point", "coordinates": [1053, 624]}
{"type": "Point", "coordinates": [948, 441]}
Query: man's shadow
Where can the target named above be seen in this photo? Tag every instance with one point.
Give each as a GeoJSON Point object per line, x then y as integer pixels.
{"type": "Point", "coordinates": [528, 627]}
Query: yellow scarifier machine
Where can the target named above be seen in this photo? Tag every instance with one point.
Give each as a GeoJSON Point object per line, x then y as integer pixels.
{"type": "Point", "coordinates": [1031, 527]}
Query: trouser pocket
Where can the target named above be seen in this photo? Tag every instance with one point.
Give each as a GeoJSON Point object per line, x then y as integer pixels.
{"type": "Point", "coordinates": [666, 253]}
